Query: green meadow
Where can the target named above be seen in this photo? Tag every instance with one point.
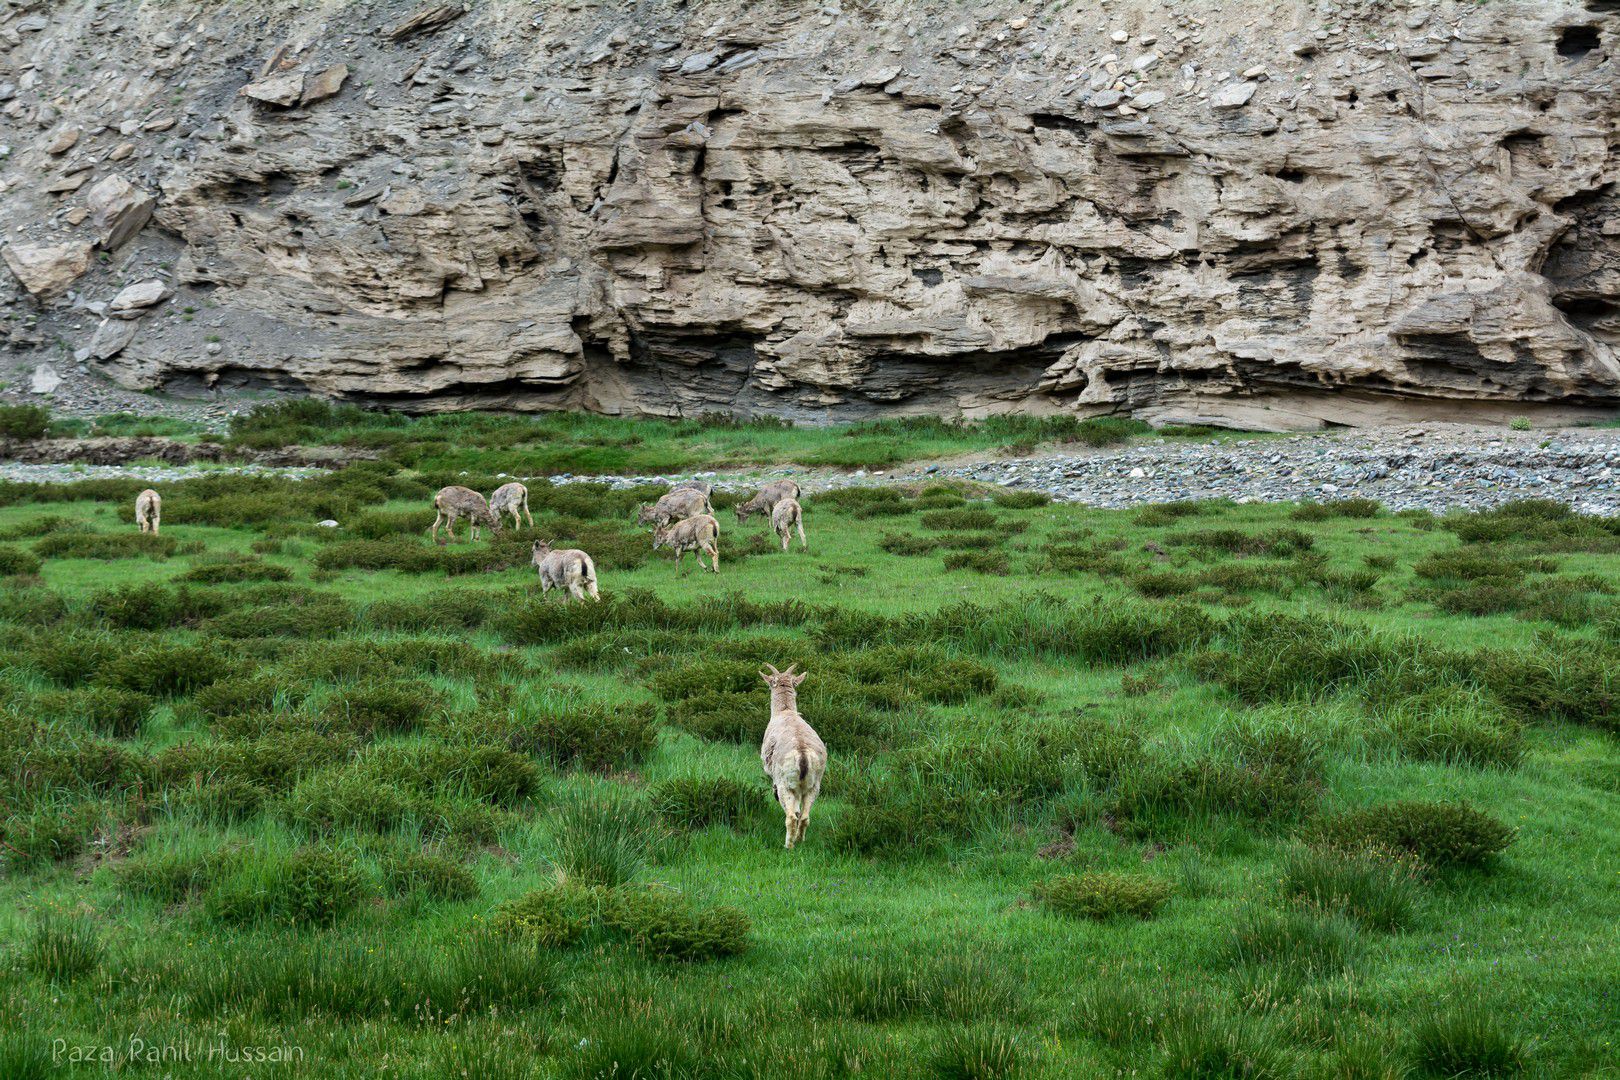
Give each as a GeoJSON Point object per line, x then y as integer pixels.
{"type": "Point", "coordinates": [1198, 790]}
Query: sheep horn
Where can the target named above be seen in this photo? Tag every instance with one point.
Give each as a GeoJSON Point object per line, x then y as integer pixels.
{"type": "Point", "coordinates": [773, 669]}
{"type": "Point", "coordinates": [790, 668]}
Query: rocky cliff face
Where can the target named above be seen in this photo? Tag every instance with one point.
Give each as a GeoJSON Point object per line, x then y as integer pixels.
{"type": "Point", "coordinates": [1273, 214]}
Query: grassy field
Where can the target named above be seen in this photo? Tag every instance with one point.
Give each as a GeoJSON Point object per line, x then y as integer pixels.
{"type": "Point", "coordinates": [1200, 790]}
{"type": "Point", "coordinates": [587, 444]}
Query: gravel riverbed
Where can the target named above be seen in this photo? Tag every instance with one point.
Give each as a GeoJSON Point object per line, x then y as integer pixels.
{"type": "Point", "coordinates": [1430, 468]}
{"type": "Point", "coordinates": [1438, 467]}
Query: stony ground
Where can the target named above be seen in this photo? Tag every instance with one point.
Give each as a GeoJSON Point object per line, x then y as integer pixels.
{"type": "Point", "coordinates": [1436, 467]}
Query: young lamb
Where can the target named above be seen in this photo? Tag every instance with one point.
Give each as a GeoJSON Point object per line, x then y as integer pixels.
{"type": "Point", "coordinates": [697, 534]}
{"type": "Point", "coordinates": [784, 516]}
{"type": "Point", "coordinates": [568, 568]}
{"type": "Point", "coordinates": [678, 505]}
{"type": "Point", "coordinates": [509, 499]}
{"type": "Point", "coordinates": [792, 753]}
{"type": "Point", "coordinates": [148, 511]}
{"type": "Point", "coordinates": [456, 502]}
{"type": "Point", "coordinates": [769, 495]}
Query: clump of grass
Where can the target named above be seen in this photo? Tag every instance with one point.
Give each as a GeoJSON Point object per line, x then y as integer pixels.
{"type": "Point", "coordinates": [1201, 1043]}
{"type": "Point", "coordinates": [104, 709]}
{"type": "Point", "coordinates": [1299, 942]}
{"type": "Point", "coordinates": [1377, 893]}
{"type": "Point", "coordinates": [62, 948]}
{"type": "Point", "coordinates": [1103, 895]}
{"type": "Point", "coordinates": [984, 1052]}
{"type": "Point", "coordinates": [960, 985]}
{"type": "Point", "coordinates": [47, 834]}
{"type": "Point", "coordinates": [602, 837]}
{"type": "Point", "coordinates": [697, 802]}
{"type": "Point", "coordinates": [1467, 1040]}
{"type": "Point", "coordinates": [1438, 835]}
{"type": "Point", "coordinates": [1451, 725]}
{"type": "Point", "coordinates": [166, 670]}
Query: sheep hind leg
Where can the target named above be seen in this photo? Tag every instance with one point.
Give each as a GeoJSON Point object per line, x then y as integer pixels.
{"type": "Point", "coordinates": [525, 514]}
{"type": "Point", "coordinates": [805, 802]}
{"type": "Point", "coordinates": [790, 806]}
{"type": "Point", "coordinates": [803, 543]}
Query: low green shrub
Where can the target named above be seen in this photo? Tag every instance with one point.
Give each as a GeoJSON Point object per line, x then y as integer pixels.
{"type": "Point", "coordinates": [1020, 500]}
{"type": "Point", "coordinates": [553, 917]}
{"type": "Point", "coordinates": [585, 735]}
{"type": "Point", "coordinates": [697, 802]}
{"type": "Point", "coordinates": [236, 570]}
{"type": "Point", "coordinates": [907, 544]}
{"type": "Point", "coordinates": [24, 421]}
{"type": "Point", "coordinates": [165, 670]}
{"type": "Point", "coordinates": [1335, 508]}
{"type": "Point", "coordinates": [667, 926]}
{"type": "Point", "coordinates": [48, 834]}
{"type": "Point", "coordinates": [340, 801]}
{"type": "Point", "coordinates": [237, 695]}
{"type": "Point", "coordinates": [107, 546]}
{"type": "Point", "coordinates": [1451, 725]}
{"type": "Point", "coordinates": [1102, 895]}
{"type": "Point", "coordinates": [1438, 835]}
{"type": "Point", "coordinates": [445, 611]}
{"type": "Point", "coordinates": [383, 706]}
{"type": "Point", "coordinates": [15, 562]}
{"type": "Point", "coordinates": [310, 885]}
{"type": "Point", "coordinates": [429, 874]}
{"type": "Point", "coordinates": [960, 520]}
{"type": "Point", "coordinates": [980, 562]}
{"type": "Point", "coordinates": [104, 709]}
{"type": "Point", "coordinates": [1579, 684]}
{"type": "Point", "coordinates": [1276, 543]}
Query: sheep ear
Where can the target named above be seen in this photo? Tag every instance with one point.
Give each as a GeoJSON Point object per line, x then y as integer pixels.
{"type": "Point", "coordinates": [764, 676]}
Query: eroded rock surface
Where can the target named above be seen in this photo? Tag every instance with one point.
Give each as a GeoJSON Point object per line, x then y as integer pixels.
{"type": "Point", "coordinates": [1274, 215]}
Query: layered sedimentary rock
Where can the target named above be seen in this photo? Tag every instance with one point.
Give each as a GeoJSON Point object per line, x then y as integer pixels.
{"type": "Point", "coordinates": [1271, 214]}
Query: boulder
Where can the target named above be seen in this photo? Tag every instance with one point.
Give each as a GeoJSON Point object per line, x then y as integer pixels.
{"type": "Point", "coordinates": [111, 338]}
{"type": "Point", "coordinates": [118, 210]}
{"type": "Point", "coordinates": [324, 85]}
{"type": "Point", "coordinates": [47, 269]}
{"type": "Point", "coordinates": [133, 301]}
{"type": "Point", "coordinates": [284, 89]}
